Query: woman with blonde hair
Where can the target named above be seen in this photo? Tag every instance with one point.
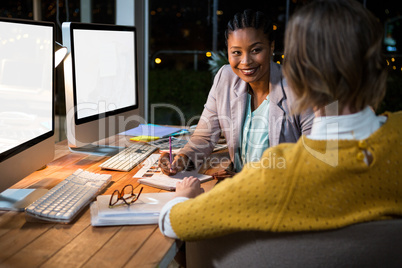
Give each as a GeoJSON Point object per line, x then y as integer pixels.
{"type": "Point", "coordinates": [346, 171]}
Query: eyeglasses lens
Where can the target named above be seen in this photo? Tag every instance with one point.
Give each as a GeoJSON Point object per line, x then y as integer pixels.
{"type": "Point", "coordinates": [128, 193]}
{"type": "Point", "coordinates": [114, 198]}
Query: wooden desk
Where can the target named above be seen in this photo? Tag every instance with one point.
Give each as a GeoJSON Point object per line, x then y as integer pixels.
{"type": "Point", "coordinates": [33, 244]}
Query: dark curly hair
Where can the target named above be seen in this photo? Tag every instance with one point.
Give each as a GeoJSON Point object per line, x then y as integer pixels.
{"type": "Point", "coordinates": [250, 18]}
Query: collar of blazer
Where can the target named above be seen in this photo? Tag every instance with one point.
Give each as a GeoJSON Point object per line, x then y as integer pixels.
{"type": "Point", "coordinates": [277, 94]}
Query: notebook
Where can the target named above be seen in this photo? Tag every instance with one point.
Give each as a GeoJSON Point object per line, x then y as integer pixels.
{"type": "Point", "coordinates": [150, 174]}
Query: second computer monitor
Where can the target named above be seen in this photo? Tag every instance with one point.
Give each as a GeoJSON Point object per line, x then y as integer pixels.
{"type": "Point", "coordinates": [101, 84]}
{"type": "Point", "coordinates": [26, 98]}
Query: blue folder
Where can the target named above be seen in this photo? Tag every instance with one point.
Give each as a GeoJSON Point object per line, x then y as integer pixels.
{"type": "Point", "coordinates": [153, 130]}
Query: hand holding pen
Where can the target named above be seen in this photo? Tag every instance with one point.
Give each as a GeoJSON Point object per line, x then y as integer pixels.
{"type": "Point", "coordinates": [179, 163]}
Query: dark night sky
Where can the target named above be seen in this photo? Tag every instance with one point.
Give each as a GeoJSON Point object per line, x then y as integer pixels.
{"type": "Point", "coordinates": [192, 29]}
{"type": "Point", "coordinates": [184, 24]}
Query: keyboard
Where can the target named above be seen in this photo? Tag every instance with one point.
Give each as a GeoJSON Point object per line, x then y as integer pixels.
{"type": "Point", "coordinates": [69, 197]}
{"type": "Point", "coordinates": [129, 157]}
{"type": "Point", "coordinates": [177, 144]}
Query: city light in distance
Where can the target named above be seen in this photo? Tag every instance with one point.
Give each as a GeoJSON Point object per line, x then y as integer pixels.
{"type": "Point", "coordinates": [208, 54]}
{"type": "Point", "coordinates": [158, 60]}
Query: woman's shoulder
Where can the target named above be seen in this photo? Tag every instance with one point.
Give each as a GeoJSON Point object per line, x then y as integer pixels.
{"type": "Point", "coordinates": [393, 121]}
{"type": "Point", "coordinates": [397, 116]}
{"type": "Point", "coordinates": [226, 72]}
{"type": "Point", "coordinates": [226, 78]}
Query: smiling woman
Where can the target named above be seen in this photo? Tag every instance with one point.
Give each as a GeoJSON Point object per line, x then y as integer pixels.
{"type": "Point", "coordinates": [249, 56]}
{"type": "Point", "coordinates": [249, 102]}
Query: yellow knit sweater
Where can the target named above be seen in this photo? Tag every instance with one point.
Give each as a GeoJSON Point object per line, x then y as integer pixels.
{"type": "Point", "coordinates": [310, 185]}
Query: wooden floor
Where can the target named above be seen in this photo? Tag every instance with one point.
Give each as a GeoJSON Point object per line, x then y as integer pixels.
{"type": "Point", "coordinates": [36, 244]}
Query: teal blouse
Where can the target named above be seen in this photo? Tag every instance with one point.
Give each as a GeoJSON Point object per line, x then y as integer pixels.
{"type": "Point", "coordinates": [254, 137]}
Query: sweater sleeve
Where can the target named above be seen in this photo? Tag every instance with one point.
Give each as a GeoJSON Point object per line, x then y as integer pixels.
{"type": "Point", "coordinates": [248, 201]}
{"type": "Point", "coordinates": [164, 221]}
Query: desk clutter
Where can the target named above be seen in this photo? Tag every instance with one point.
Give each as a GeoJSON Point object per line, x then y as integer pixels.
{"type": "Point", "coordinates": [70, 196]}
{"type": "Point", "coordinates": [147, 208]}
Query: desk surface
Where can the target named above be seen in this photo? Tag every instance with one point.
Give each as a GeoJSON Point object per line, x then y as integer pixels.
{"type": "Point", "coordinates": [33, 244]}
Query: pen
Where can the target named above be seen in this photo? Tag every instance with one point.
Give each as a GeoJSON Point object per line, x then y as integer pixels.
{"type": "Point", "coordinates": [170, 152]}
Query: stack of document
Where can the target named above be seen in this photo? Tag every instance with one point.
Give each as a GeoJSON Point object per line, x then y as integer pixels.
{"type": "Point", "coordinates": [145, 210]}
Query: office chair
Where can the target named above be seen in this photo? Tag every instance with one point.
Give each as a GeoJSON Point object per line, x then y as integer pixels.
{"type": "Point", "coordinates": [371, 244]}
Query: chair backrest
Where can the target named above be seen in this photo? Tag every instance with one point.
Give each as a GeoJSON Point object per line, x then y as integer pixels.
{"type": "Point", "coordinates": [372, 244]}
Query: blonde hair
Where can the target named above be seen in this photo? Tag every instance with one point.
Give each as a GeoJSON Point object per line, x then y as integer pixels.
{"type": "Point", "coordinates": [333, 52]}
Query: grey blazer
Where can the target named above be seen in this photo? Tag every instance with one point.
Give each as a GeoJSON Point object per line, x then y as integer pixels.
{"type": "Point", "coordinates": [224, 113]}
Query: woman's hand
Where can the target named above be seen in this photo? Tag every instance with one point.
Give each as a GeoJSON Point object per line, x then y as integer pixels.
{"type": "Point", "coordinates": [189, 187]}
{"type": "Point", "coordinates": [179, 163]}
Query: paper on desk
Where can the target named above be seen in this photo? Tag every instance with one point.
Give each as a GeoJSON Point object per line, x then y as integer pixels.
{"type": "Point", "coordinates": [144, 211]}
{"type": "Point", "coordinates": [151, 130]}
{"type": "Point", "coordinates": [19, 199]}
{"type": "Point", "coordinates": [150, 174]}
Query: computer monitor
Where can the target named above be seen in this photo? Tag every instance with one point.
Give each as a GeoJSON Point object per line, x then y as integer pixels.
{"type": "Point", "coordinates": [26, 98]}
{"type": "Point", "coordinates": [101, 87]}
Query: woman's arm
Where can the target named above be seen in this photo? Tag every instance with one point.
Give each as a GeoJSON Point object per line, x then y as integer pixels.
{"type": "Point", "coordinates": [306, 122]}
{"type": "Point", "coordinates": [164, 217]}
{"type": "Point", "coordinates": [207, 133]}
{"type": "Point", "coordinates": [190, 187]}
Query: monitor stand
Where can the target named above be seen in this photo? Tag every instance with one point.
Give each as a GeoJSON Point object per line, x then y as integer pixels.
{"type": "Point", "coordinates": [99, 150]}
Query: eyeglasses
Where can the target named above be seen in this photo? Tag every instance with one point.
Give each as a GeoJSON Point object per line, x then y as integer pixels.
{"type": "Point", "coordinates": [126, 195]}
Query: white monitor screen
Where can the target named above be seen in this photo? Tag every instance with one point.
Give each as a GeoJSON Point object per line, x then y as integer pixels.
{"type": "Point", "coordinates": [26, 85]}
{"type": "Point", "coordinates": [104, 67]}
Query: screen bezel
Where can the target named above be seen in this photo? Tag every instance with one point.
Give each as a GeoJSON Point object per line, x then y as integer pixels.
{"type": "Point", "coordinates": [30, 143]}
{"type": "Point", "coordinates": [101, 27]}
